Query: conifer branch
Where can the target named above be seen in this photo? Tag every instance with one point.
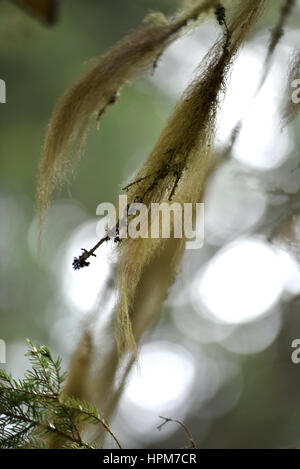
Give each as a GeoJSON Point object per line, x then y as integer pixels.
{"type": "Point", "coordinates": [35, 407]}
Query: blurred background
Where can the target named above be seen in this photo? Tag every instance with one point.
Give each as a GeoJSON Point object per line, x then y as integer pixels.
{"type": "Point", "coordinates": [220, 357]}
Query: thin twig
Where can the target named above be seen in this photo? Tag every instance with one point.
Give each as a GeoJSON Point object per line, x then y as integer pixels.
{"type": "Point", "coordinates": [182, 425]}
{"type": "Point", "coordinates": [81, 261]}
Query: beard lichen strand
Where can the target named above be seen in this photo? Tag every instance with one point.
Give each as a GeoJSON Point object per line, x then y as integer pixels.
{"type": "Point", "coordinates": [191, 129]}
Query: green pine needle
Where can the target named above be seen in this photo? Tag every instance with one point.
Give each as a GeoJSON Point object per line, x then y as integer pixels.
{"type": "Point", "coordinates": [34, 408]}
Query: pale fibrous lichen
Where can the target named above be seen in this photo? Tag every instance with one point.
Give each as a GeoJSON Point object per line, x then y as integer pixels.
{"type": "Point", "coordinates": [182, 159]}
{"type": "Point", "coordinates": [179, 165]}
{"type": "Point", "coordinates": [97, 89]}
